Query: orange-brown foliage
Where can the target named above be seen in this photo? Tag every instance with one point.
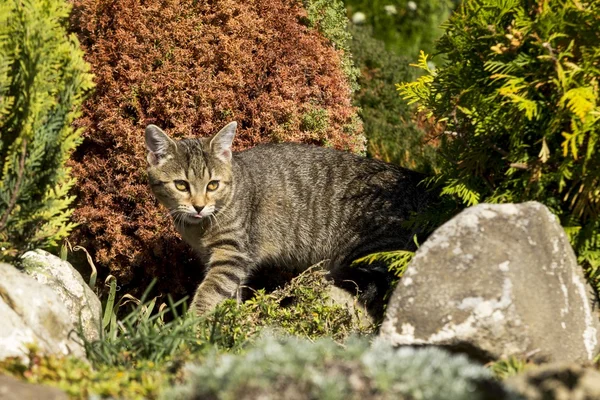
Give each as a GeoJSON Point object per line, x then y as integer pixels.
{"type": "Point", "coordinates": [190, 67]}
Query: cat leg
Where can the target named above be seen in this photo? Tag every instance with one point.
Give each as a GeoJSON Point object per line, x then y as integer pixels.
{"type": "Point", "coordinates": [227, 271]}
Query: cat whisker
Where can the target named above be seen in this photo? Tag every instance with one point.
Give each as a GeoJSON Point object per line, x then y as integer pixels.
{"type": "Point", "coordinates": [222, 212]}
{"type": "Point", "coordinates": [218, 222]}
{"type": "Point", "coordinates": [176, 219]}
{"type": "Point", "coordinates": [179, 218]}
{"type": "Point", "coordinates": [211, 217]}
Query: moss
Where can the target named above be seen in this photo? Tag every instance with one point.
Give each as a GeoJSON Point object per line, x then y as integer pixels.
{"type": "Point", "coordinates": [143, 352]}
{"type": "Point", "coordinates": [79, 380]}
{"type": "Point", "coordinates": [315, 122]}
{"type": "Point", "coordinates": [302, 308]}
{"type": "Point", "coordinates": [300, 369]}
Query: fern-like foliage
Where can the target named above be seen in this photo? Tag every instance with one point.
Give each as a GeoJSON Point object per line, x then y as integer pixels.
{"type": "Point", "coordinates": [396, 261]}
{"type": "Point", "coordinates": [519, 94]}
{"type": "Point", "coordinates": [413, 92]}
{"type": "Point", "coordinates": [43, 78]}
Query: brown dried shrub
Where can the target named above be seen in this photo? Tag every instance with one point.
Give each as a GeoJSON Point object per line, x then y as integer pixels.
{"type": "Point", "coordinates": [191, 67]}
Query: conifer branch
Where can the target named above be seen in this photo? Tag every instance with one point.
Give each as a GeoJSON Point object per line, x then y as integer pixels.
{"type": "Point", "coordinates": [525, 102]}
{"type": "Point", "coordinates": [45, 78]}
{"type": "Point", "coordinates": [15, 195]}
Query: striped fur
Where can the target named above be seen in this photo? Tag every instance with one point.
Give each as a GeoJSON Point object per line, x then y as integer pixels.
{"type": "Point", "coordinates": [287, 204]}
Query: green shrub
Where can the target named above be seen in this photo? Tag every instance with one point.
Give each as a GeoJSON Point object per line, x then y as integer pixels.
{"type": "Point", "coordinates": [314, 122]}
{"type": "Point", "coordinates": [388, 122]}
{"type": "Point", "coordinates": [299, 369]}
{"type": "Point", "coordinates": [406, 26]}
{"type": "Point", "coordinates": [43, 79]}
{"type": "Point", "coordinates": [150, 333]}
{"type": "Point", "coordinates": [191, 67]}
{"type": "Point", "coordinates": [329, 17]}
{"type": "Point", "coordinates": [519, 95]}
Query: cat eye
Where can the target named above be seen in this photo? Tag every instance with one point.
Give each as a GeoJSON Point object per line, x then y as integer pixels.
{"type": "Point", "coordinates": [212, 186]}
{"type": "Point", "coordinates": [182, 186]}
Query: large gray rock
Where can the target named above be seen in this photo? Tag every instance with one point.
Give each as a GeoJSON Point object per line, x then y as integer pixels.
{"type": "Point", "coordinates": [32, 313]}
{"type": "Point", "coordinates": [497, 281]}
{"type": "Point", "coordinates": [82, 303]}
{"type": "Point", "coordinates": [557, 382]}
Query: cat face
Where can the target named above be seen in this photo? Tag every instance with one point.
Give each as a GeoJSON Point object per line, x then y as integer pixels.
{"type": "Point", "coordinates": [191, 177]}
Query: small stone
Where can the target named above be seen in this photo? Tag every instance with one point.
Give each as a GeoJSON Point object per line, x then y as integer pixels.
{"type": "Point", "coordinates": [342, 298]}
{"type": "Point", "coordinates": [557, 382]}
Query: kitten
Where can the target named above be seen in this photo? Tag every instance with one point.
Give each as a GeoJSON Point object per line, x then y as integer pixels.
{"type": "Point", "coordinates": [290, 205]}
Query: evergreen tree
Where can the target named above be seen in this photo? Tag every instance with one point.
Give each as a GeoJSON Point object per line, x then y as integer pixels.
{"type": "Point", "coordinates": [519, 95]}
{"type": "Point", "coordinates": [43, 78]}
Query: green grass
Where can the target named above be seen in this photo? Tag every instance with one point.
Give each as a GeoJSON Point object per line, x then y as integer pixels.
{"type": "Point", "coordinates": [157, 335]}
{"type": "Point", "coordinates": [143, 352]}
{"type": "Point", "coordinates": [506, 368]}
{"type": "Point", "coordinates": [157, 350]}
{"type": "Point", "coordinates": [153, 346]}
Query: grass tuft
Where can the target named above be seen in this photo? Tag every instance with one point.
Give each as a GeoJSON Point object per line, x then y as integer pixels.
{"type": "Point", "coordinates": [142, 352]}
{"type": "Point", "coordinates": [506, 368]}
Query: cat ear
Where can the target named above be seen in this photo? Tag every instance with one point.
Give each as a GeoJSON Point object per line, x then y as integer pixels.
{"type": "Point", "coordinates": [157, 143]}
{"type": "Point", "coordinates": [220, 144]}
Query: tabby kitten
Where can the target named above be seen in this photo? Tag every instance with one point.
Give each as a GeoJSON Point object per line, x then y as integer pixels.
{"type": "Point", "coordinates": [289, 205]}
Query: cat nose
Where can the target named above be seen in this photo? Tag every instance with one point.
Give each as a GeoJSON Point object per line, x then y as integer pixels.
{"type": "Point", "coordinates": [198, 209]}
